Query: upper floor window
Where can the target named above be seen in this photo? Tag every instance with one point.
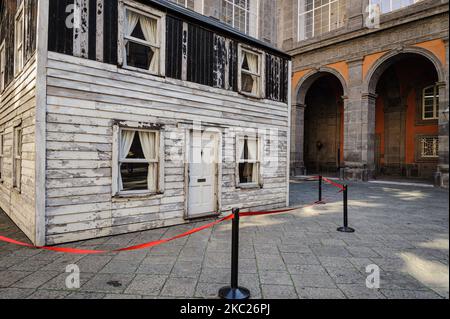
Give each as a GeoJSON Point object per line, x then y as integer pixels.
{"type": "Point", "coordinates": [430, 103]}
{"type": "Point", "coordinates": [241, 15]}
{"type": "Point", "coordinates": [142, 40]}
{"type": "Point", "coordinates": [316, 17]}
{"type": "Point", "coordinates": [18, 40]}
{"type": "Point", "coordinates": [2, 66]}
{"type": "Point", "coordinates": [250, 72]}
{"type": "Point", "coordinates": [387, 6]}
{"type": "Point", "coordinates": [190, 4]}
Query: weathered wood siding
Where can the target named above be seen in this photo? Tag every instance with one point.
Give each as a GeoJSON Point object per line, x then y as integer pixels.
{"type": "Point", "coordinates": [17, 105]}
{"type": "Point", "coordinates": [85, 98]}
{"type": "Point", "coordinates": [208, 56]}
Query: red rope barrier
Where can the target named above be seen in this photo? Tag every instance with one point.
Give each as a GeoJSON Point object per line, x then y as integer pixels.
{"type": "Point", "coordinates": [162, 241]}
{"type": "Point", "coordinates": [329, 181]}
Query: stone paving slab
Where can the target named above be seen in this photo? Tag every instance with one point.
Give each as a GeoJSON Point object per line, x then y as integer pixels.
{"type": "Point", "coordinates": [401, 229]}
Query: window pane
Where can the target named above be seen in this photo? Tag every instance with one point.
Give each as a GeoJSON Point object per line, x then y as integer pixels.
{"type": "Point", "coordinates": [136, 151]}
{"type": "Point", "coordinates": [249, 83]}
{"type": "Point", "coordinates": [139, 56]}
{"type": "Point", "coordinates": [246, 173]}
{"type": "Point", "coordinates": [134, 176]}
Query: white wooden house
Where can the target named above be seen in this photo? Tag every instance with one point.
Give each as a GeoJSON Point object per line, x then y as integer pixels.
{"type": "Point", "coordinates": [119, 116]}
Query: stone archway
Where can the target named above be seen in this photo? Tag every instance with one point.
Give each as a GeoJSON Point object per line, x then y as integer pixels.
{"type": "Point", "coordinates": [318, 119]}
{"type": "Point", "coordinates": [403, 136]}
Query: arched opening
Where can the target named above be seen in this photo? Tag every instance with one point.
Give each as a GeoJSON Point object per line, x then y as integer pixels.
{"type": "Point", "coordinates": [324, 125]}
{"type": "Point", "coordinates": [407, 117]}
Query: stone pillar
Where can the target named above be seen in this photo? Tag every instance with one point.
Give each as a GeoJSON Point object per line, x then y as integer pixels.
{"type": "Point", "coordinates": [297, 139]}
{"type": "Point", "coordinates": [359, 127]}
{"type": "Point", "coordinates": [355, 13]}
{"type": "Point", "coordinates": [443, 168]}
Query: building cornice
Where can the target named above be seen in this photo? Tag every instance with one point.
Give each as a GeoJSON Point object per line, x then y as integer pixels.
{"type": "Point", "coordinates": [354, 34]}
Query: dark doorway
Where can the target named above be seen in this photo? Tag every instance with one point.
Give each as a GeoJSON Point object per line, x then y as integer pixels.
{"type": "Point", "coordinates": [323, 153]}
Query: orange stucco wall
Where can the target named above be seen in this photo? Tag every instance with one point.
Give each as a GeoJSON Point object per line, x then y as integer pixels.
{"type": "Point", "coordinates": [406, 72]}
{"type": "Point", "coordinates": [369, 61]}
{"type": "Point", "coordinates": [437, 47]}
{"type": "Point", "coordinates": [297, 76]}
{"type": "Point", "coordinates": [342, 68]}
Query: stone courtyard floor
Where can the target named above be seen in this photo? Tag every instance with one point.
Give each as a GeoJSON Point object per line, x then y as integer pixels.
{"type": "Point", "coordinates": [401, 229]}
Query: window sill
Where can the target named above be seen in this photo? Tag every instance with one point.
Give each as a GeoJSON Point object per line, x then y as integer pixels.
{"type": "Point", "coordinates": [135, 69]}
{"type": "Point", "coordinates": [251, 95]}
{"type": "Point", "coordinates": [119, 197]}
{"type": "Point", "coordinates": [249, 186]}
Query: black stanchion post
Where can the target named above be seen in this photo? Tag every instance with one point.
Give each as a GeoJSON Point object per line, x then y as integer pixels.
{"type": "Point", "coordinates": [320, 190]}
{"type": "Point", "coordinates": [346, 229]}
{"type": "Point", "coordinates": [234, 292]}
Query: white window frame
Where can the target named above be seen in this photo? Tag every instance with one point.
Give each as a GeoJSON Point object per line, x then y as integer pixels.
{"type": "Point", "coordinates": [17, 156]}
{"type": "Point", "coordinates": [435, 147]}
{"type": "Point", "coordinates": [118, 159]}
{"type": "Point", "coordinates": [251, 18]}
{"type": "Point", "coordinates": [2, 66]}
{"type": "Point", "coordinates": [184, 3]}
{"type": "Point", "coordinates": [151, 13]}
{"type": "Point", "coordinates": [391, 6]}
{"type": "Point", "coordinates": [2, 154]}
{"type": "Point", "coordinates": [261, 68]}
{"type": "Point", "coordinates": [19, 40]}
{"type": "Point", "coordinates": [435, 103]}
{"type": "Point", "coordinates": [258, 161]}
{"type": "Point", "coordinates": [301, 13]}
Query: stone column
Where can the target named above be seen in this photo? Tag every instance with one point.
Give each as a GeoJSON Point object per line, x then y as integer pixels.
{"type": "Point", "coordinates": [297, 139]}
{"type": "Point", "coordinates": [443, 167]}
{"type": "Point", "coordinates": [359, 127]}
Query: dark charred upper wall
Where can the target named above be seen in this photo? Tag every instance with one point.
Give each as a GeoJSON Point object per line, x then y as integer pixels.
{"type": "Point", "coordinates": [209, 47]}
{"type": "Point", "coordinates": [8, 12]}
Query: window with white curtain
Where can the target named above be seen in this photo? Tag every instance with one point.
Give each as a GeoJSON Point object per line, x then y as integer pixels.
{"type": "Point", "coordinates": [430, 103]}
{"type": "Point", "coordinates": [138, 161]}
{"type": "Point", "coordinates": [2, 66]}
{"type": "Point", "coordinates": [387, 6]}
{"type": "Point", "coordinates": [250, 70]}
{"type": "Point", "coordinates": [18, 40]}
{"type": "Point", "coordinates": [17, 157]}
{"type": "Point", "coordinates": [142, 43]}
{"type": "Point", "coordinates": [241, 15]}
{"type": "Point", "coordinates": [248, 160]}
{"type": "Point", "coordinates": [316, 17]}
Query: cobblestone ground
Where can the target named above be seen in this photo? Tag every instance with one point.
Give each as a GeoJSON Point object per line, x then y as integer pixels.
{"type": "Point", "coordinates": [401, 229]}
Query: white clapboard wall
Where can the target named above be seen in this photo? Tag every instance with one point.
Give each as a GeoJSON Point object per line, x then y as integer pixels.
{"type": "Point", "coordinates": [17, 105]}
{"type": "Point", "coordinates": [85, 98]}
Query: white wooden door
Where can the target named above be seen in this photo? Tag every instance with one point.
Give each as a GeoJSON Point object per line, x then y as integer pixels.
{"type": "Point", "coordinates": [203, 153]}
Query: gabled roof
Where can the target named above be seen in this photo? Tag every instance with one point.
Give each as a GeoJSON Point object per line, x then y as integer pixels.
{"type": "Point", "coordinates": [213, 24]}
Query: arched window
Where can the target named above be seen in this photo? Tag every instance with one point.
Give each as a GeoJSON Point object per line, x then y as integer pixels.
{"type": "Point", "coordinates": [430, 103]}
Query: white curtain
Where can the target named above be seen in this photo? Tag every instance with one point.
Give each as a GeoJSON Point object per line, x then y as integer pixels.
{"type": "Point", "coordinates": [148, 143]}
{"type": "Point", "coordinates": [132, 20]}
{"type": "Point", "coordinates": [125, 145]}
{"type": "Point", "coordinates": [252, 61]}
{"type": "Point", "coordinates": [241, 145]}
{"type": "Point", "coordinates": [252, 155]}
{"type": "Point", "coordinates": [252, 149]}
{"type": "Point", "coordinates": [150, 29]}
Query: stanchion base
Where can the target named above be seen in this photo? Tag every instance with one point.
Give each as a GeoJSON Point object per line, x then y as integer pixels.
{"type": "Point", "coordinates": [229, 293]}
{"type": "Point", "coordinates": [320, 202]}
{"type": "Point", "coordinates": [346, 229]}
